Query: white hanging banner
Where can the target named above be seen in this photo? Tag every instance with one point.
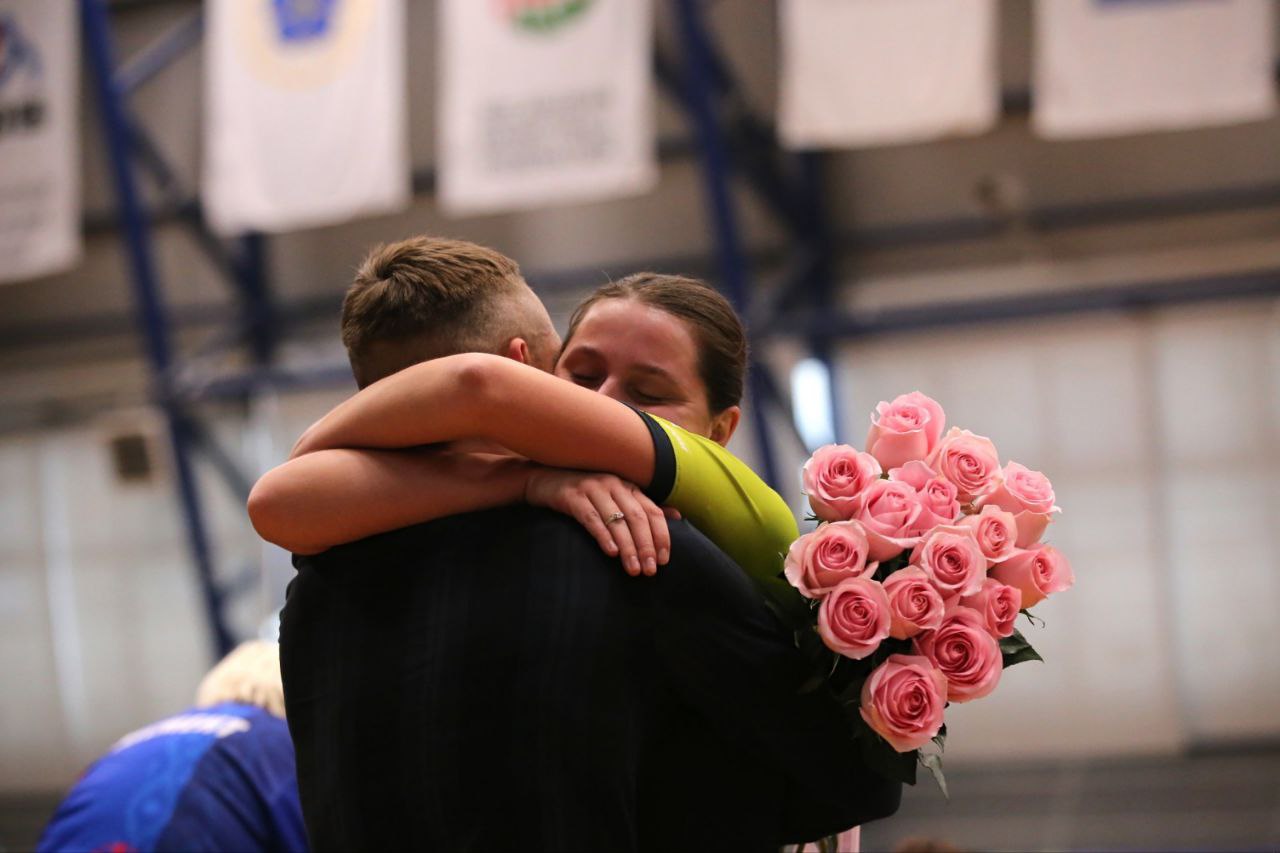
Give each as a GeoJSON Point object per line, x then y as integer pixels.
{"type": "Point", "coordinates": [543, 102]}
{"type": "Point", "coordinates": [305, 112]}
{"type": "Point", "coordinates": [39, 138]}
{"type": "Point", "coordinates": [1110, 67]}
{"type": "Point", "coordinates": [883, 72]}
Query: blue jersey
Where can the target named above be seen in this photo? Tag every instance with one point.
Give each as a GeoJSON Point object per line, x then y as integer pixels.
{"type": "Point", "coordinates": [219, 778]}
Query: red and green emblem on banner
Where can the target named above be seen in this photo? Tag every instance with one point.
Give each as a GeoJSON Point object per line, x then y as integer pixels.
{"type": "Point", "coordinates": [542, 15]}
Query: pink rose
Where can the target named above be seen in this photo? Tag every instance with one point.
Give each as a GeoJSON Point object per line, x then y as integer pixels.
{"type": "Point", "coordinates": [1031, 526]}
{"type": "Point", "coordinates": [1038, 572]}
{"type": "Point", "coordinates": [914, 604]}
{"type": "Point", "coordinates": [965, 652]}
{"type": "Point", "coordinates": [854, 618]}
{"type": "Point", "coordinates": [906, 429]}
{"type": "Point", "coordinates": [950, 556]}
{"type": "Point", "coordinates": [835, 552]}
{"type": "Point", "coordinates": [970, 461]}
{"type": "Point", "coordinates": [939, 505]}
{"type": "Point", "coordinates": [996, 532]}
{"type": "Point", "coordinates": [888, 512]}
{"type": "Point", "coordinates": [1029, 496]}
{"type": "Point", "coordinates": [915, 473]}
{"type": "Point", "coordinates": [834, 477]}
{"type": "Point", "coordinates": [1022, 489]}
{"type": "Point", "coordinates": [999, 605]}
{"type": "Point", "coordinates": [903, 700]}
{"type": "Point", "coordinates": [936, 495]}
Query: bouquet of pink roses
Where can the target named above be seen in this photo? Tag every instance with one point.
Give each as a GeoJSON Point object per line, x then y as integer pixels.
{"type": "Point", "coordinates": [927, 551]}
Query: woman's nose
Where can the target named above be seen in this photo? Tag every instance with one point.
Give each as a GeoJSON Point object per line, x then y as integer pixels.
{"type": "Point", "coordinates": [612, 387]}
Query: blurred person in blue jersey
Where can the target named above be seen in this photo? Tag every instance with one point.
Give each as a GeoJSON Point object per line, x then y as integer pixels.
{"type": "Point", "coordinates": [218, 776]}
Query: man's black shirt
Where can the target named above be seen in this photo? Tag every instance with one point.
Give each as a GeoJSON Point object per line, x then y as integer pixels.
{"type": "Point", "coordinates": [493, 681]}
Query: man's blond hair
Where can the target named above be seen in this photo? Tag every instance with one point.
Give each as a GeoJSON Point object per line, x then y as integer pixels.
{"type": "Point", "coordinates": [249, 675]}
{"type": "Point", "coordinates": [427, 297]}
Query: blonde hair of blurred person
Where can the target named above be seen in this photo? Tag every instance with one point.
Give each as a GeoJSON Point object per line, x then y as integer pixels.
{"type": "Point", "coordinates": [249, 675]}
{"type": "Point", "coordinates": [219, 776]}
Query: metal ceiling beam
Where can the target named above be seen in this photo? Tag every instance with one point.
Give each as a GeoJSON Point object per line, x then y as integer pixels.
{"type": "Point", "coordinates": [1121, 298]}
{"type": "Point", "coordinates": [149, 302]}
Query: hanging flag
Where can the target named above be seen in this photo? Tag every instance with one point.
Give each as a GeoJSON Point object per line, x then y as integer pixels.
{"type": "Point", "coordinates": [543, 102]}
{"type": "Point", "coordinates": [1109, 67]}
{"type": "Point", "coordinates": [39, 120]}
{"type": "Point", "coordinates": [305, 112]}
{"type": "Point", "coordinates": [883, 72]}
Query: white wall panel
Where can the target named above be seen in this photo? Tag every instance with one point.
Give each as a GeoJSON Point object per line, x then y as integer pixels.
{"type": "Point", "coordinates": [108, 632]}
{"type": "Point", "coordinates": [1224, 562]}
{"type": "Point", "coordinates": [1069, 397]}
{"type": "Point", "coordinates": [1093, 397]}
{"type": "Point", "coordinates": [34, 744]}
{"type": "Point", "coordinates": [1220, 466]}
{"type": "Point", "coordinates": [1214, 375]}
{"type": "Point", "coordinates": [1182, 406]}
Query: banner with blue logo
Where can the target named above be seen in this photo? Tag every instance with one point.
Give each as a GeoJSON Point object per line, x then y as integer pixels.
{"type": "Point", "coordinates": [882, 72]}
{"type": "Point", "coordinates": [1112, 67]}
{"type": "Point", "coordinates": [544, 102]}
{"type": "Point", "coordinates": [305, 112]}
{"type": "Point", "coordinates": [39, 141]}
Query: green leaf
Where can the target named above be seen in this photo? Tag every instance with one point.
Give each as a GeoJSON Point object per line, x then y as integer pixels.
{"type": "Point", "coordinates": [941, 738]}
{"type": "Point", "coordinates": [821, 660]}
{"type": "Point", "coordinates": [790, 607]}
{"type": "Point", "coordinates": [811, 646]}
{"type": "Point", "coordinates": [888, 567]}
{"type": "Point", "coordinates": [1032, 618]}
{"type": "Point", "coordinates": [1016, 649]}
{"type": "Point", "coordinates": [890, 646]}
{"type": "Point", "coordinates": [933, 763]}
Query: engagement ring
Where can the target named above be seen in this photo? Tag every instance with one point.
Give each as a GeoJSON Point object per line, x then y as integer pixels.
{"type": "Point", "coordinates": [617, 516]}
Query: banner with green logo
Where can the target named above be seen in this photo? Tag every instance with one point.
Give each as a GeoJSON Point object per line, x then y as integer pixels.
{"type": "Point", "coordinates": [543, 102]}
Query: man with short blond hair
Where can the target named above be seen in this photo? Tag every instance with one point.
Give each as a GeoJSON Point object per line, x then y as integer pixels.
{"type": "Point", "coordinates": [427, 297]}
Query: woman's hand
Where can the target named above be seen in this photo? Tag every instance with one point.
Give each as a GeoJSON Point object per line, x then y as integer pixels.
{"type": "Point", "coordinates": [640, 537]}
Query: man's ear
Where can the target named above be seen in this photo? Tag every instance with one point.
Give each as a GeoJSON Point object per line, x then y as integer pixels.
{"type": "Point", "coordinates": [725, 424]}
{"type": "Point", "coordinates": [518, 350]}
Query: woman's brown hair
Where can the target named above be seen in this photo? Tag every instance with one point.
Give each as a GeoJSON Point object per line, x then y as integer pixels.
{"type": "Point", "coordinates": [717, 330]}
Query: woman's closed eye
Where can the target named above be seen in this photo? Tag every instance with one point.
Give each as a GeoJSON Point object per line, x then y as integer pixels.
{"type": "Point", "coordinates": [648, 398]}
{"type": "Point", "coordinates": [586, 380]}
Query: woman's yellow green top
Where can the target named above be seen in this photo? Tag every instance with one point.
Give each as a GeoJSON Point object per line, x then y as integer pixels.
{"type": "Point", "coordinates": [729, 504]}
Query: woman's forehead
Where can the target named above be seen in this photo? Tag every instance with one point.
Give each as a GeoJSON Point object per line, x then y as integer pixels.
{"type": "Point", "coordinates": [635, 323]}
{"type": "Point", "coordinates": [634, 331]}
